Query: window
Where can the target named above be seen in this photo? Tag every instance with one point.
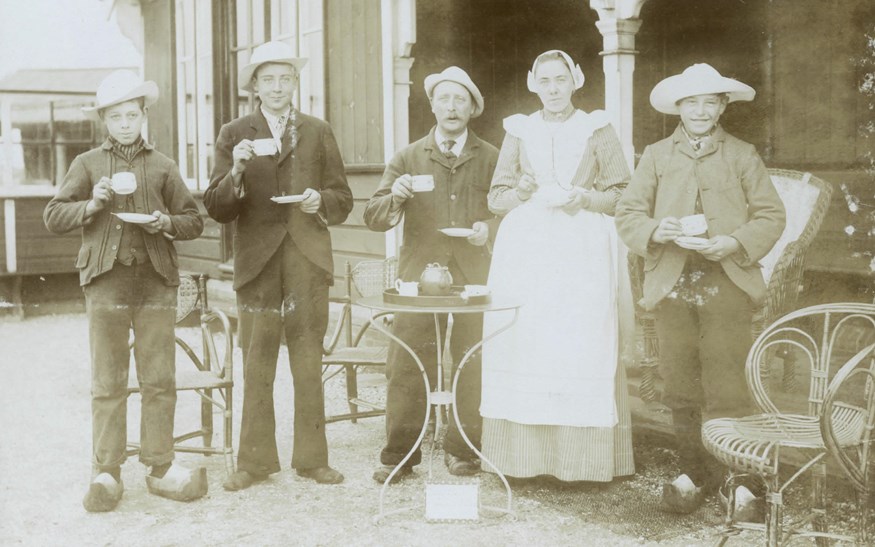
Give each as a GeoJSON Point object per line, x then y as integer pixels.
{"type": "Point", "coordinates": [297, 23]}
{"type": "Point", "coordinates": [194, 73]}
{"type": "Point", "coordinates": [44, 136]}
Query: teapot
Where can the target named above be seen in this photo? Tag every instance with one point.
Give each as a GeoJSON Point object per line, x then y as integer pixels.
{"type": "Point", "coordinates": [435, 280]}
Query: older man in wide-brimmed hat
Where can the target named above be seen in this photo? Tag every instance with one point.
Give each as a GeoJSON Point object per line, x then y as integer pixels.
{"type": "Point", "coordinates": [127, 267]}
{"type": "Point", "coordinates": [702, 211]}
{"type": "Point", "coordinates": [279, 174]}
{"type": "Point", "coordinates": [439, 181]}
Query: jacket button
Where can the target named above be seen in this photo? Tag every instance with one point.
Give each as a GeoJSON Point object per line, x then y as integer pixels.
{"type": "Point", "coordinates": [453, 196]}
{"type": "Point", "coordinates": [452, 223]}
{"type": "Point", "coordinates": [452, 171]}
{"type": "Point", "coordinates": [118, 226]}
{"type": "Point", "coordinates": [114, 247]}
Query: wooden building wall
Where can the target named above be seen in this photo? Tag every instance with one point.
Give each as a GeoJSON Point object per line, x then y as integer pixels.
{"type": "Point", "coordinates": [355, 78]}
{"type": "Point", "coordinates": [38, 251]}
{"type": "Point", "coordinates": [355, 111]}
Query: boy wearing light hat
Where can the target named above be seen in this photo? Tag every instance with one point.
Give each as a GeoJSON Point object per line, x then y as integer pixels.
{"type": "Point", "coordinates": [460, 166]}
{"type": "Point", "coordinates": [129, 274]}
{"type": "Point", "coordinates": [279, 174]}
{"type": "Point", "coordinates": [701, 289]}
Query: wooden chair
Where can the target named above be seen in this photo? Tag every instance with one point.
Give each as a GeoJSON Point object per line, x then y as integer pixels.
{"type": "Point", "coordinates": [836, 341]}
{"type": "Point", "coordinates": [204, 372]}
{"type": "Point", "coordinates": [367, 278]}
{"type": "Point", "coordinates": [806, 199]}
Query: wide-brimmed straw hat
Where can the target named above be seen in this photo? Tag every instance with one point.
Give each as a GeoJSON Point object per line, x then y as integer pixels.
{"type": "Point", "coordinates": [270, 52]}
{"type": "Point", "coordinates": [699, 79]}
{"type": "Point", "coordinates": [121, 86]}
{"type": "Point", "coordinates": [459, 76]}
{"type": "Point", "coordinates": [576, 72]}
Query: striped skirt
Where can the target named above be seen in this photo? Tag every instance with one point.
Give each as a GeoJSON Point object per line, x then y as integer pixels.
{"type": "Point", "coordinates": [565, 452]}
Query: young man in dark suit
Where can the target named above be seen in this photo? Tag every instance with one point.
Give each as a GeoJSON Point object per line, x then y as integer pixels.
{"type": "Point", "coordinates": [282, 257]}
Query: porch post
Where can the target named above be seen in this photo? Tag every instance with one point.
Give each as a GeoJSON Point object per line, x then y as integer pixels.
{"type": "Point", "coordinates": [399, 35]}
{"type": "Point", "coordinates": [618, 23]}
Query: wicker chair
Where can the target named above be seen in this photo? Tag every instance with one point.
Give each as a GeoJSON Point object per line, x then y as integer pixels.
{"type": "Point", "coordinates": [836, 340]}
{"type": "Point", "coordinates": [212, 371]}
{"type": "Point", "coordinates": [368, 278]}
{"type": "Point", "coordinates": [806, 199]}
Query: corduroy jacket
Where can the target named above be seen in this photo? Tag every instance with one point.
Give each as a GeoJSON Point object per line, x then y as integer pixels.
{"type": "Point", "coordinates": [159, 187]}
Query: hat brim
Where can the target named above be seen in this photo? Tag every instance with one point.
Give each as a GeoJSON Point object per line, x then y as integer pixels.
{"type": "Point", "coordinates": [148, 90]}
{"type": "Point", "coordinates": [244, 76]}
{"type": "Point", "coordinates": [667, 93]}
{"type": "Point", "coordinates": [432, 80]}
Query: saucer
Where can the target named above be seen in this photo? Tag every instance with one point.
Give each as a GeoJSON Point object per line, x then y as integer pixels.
{"type": "Point", "coordinates": [136, 218]}
{"type": "Point", "coordinates": [692, 243]}
{"type": "Point", "coordinates": [457, 232]}
{"type": "Point", "coordinates": [288, 199]}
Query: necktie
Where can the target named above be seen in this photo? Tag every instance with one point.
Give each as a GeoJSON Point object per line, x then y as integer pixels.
{"type": "Point", "coordinates": [280, 125]}
{"type": "Point", "coordinates": [448, 150]}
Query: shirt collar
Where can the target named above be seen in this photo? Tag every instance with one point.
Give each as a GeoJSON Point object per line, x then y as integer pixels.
{"type": "Point", "coordinates": [272, 119]}
{"type": "Point", "coordinates": [110, 143]}
{"type": "Point", "coordinates": [460, 141]}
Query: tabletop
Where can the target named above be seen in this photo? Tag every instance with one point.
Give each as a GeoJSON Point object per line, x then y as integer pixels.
{"type": "Point", "coordinates": [496, 304]}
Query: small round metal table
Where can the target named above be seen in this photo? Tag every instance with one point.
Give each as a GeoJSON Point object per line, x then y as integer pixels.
{"type": "Point", "coordinates": [439, 397]}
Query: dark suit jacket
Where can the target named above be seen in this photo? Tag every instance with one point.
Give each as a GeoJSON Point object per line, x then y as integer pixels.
{"type": "Point", "coordinates": [262, 224]}
{"type": "Point", "coordinates": [738, 199]}
{"type": "Point", "coordinates": [458, 200]}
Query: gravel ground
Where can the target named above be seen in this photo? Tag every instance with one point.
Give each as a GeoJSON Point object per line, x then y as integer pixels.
{"type": "Point", "coordinates": [45, 452]}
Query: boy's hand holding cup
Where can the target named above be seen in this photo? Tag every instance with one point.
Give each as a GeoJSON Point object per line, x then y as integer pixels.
{"type": "Point", "coordinates": [101, 195]}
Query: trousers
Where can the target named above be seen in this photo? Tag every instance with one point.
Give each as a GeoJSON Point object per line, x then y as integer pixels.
{"type": "Point", "coordinates": [288, 298]}
{"type": "Point", "coordinates": [124, 298]}
{"type": "Point", "coordinates": [704, 330]}
{"type": "Point", "coordinates": [405, 398]}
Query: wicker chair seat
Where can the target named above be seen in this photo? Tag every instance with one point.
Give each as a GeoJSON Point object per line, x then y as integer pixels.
{"type": "Point", "coordinates": [751, 444]}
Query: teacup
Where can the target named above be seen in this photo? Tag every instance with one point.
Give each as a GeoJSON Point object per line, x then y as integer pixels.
{"type": "Point", "coordinates": [124, 183]}
{"type": "Point", "coordinates": [423, 183]}
{"type": "Point", "coordinates": [694, 225]}
{"type": "Point", "coordinates": [264, 147]}
{"type": "Point", "coordinates": [407, 288]}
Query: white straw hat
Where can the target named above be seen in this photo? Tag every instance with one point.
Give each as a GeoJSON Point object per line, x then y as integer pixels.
{"type": "Point", "coordinates": [270, 52]}
{"type": "Point", "coordinates": [576, 72]}
{"type": "Point", "coordinates": [121, 86]}
{"type": "Point", "coordinates": [459, 76]}
{"type": "Point", "coordinates": [699, 79]}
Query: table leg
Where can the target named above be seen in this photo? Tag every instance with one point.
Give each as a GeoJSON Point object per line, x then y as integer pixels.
{"type": "Point", "coordinates": [509, 507]}
{"type": "Point", "coordinates": [400, 342]}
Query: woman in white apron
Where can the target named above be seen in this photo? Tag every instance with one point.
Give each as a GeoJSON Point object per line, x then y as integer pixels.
{"type": "Point", "coordinates": [554, 398]}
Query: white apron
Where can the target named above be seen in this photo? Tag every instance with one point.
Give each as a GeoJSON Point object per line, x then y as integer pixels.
{"type": "Point", "coordinates": [557, 365]}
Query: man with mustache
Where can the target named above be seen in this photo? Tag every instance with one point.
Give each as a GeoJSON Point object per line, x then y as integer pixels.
{"type": "Point", "coordinates": [460, 167]}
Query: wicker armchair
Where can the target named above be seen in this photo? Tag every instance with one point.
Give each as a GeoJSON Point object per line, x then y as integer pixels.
{"type": "Point", "coordinates": [806, 199]}
{"type": "Point", "coordinates": [836, 341]}
{"type": "Point", "coordinates": [368, 278]}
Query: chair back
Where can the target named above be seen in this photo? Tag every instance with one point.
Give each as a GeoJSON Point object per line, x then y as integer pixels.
{"type": "Point", "coordinates": [823, 337]}
{"type": "Point", "coordinates": [806, 199]}
{"type": "Point", "coordinates": [187, 296]}
{"type": "Point", "coordinates": [372, 277]}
